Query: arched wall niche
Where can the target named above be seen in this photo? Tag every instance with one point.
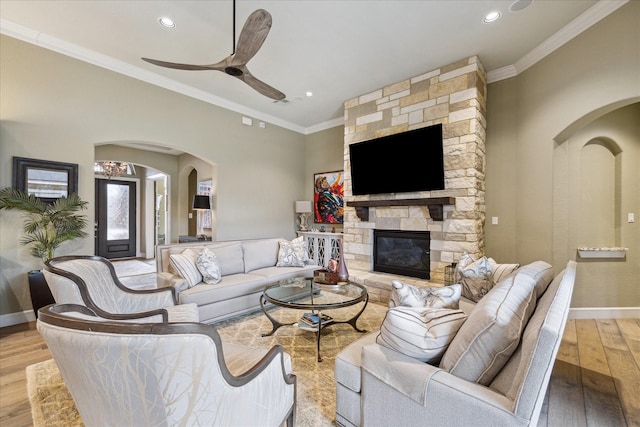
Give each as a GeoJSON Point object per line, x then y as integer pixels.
{"type": "Point", "coordinates": [595, 186]}
{"type": "Point", "coordinates": [191, 171]}
{"type": "Point", "coordinates": [600, 185]}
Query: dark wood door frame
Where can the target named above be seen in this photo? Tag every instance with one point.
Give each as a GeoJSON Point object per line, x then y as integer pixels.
{"type": "Point", "coordinates": [114, 248]}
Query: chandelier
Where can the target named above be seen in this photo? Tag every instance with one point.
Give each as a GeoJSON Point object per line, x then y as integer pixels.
{"type": "Point", "coordinates": [112, 169]}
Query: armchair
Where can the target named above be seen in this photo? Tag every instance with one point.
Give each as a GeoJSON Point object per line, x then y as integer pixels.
{"type": "Point", "coordinates": [135, 374]}
{"type": "Point", "coordinates": [92, 281]}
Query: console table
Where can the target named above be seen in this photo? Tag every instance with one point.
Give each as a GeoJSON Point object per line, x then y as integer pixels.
{"type": "Point", "coordinates": [191, 239]}
{"type": "Point", "coordinates": [322, 246]}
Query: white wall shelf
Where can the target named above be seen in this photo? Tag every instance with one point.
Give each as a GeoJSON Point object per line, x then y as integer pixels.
{"type": "Point", "coordinates": [603, 252]}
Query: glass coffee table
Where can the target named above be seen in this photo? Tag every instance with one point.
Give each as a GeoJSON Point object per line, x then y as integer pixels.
{"type": "Point", "coordinates": [305, 294]}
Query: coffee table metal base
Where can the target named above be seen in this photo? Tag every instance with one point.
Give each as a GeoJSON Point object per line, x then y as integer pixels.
{"type": "Point", "coordinates": [276, 324]}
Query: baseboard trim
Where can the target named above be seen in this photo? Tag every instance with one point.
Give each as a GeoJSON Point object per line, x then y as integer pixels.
{"type": "Point", "coordinates": [604, 313]}
{"type": "Point", "coordinates": [16, 318]}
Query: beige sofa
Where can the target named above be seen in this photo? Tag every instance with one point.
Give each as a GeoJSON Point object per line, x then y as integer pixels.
{"type": "Point", "coordinates": [468, 387]}
{"type": "Point", "coordinates": [247, 266]}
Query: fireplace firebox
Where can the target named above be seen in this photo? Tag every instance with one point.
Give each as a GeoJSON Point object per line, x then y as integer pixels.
{"type": "Point", "coordinates": [402, 252]}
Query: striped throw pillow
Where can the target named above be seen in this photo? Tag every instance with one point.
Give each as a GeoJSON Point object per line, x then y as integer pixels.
{"type": "Point", "coordinates": [185, 265]}
{"type": "Point", "coordinates": [423, 334]}
{"type": "Point", "coordinates": [501, 271]}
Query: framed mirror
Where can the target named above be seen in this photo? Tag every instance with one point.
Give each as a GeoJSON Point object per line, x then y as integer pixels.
{"type": "Point", "coordinates": [45, 179]}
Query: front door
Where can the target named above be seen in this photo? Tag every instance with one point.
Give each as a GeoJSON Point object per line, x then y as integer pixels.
{"type": "Point", "coordinates": [115, 218]}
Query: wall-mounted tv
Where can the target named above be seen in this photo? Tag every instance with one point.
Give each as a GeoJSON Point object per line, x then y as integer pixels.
{"type": "Point", "coordinates": [400, 163]}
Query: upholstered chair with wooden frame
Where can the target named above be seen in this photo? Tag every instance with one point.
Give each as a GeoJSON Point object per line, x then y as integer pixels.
{"type": "Point", "coordinates": [135, 374]}
{"type": "Point", "coordinates": [92, 281]}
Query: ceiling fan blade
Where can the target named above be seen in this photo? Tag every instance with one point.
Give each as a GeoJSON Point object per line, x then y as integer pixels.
{"type": "Point", "coordinates": [253, 34]}
{"type": "Point", "coordinates": [260, 86]}
{"type": "Point", "coordinates": [183, 66]}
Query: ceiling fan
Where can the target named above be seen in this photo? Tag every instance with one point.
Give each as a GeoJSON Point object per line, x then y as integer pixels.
{"type": "Point", "coordinates": [253, 34]}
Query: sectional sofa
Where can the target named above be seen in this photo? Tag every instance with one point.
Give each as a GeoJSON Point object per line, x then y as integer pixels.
{"type": "Point", "coordinates": [245, 266]}
{"type": "Point", "coordinates": [494, 372]}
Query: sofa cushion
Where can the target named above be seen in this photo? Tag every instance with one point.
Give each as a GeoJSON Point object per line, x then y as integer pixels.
{"type": "Point", "coordinates": [230, 258]}
{"type": "Point", "coordinates": [423, 334]}
{"type": "Point", "coordinates": [407, 295]}
{"type": "Point", "coordinates": [183, 313]}
{"type": "Point", "coordinates": [185, 265]}
{"type": "Point", "coordinates": [493, 329]}
{"type": "Point", "coordinates": [292, 254]}
{"type": "Point", "coordinates": [260, 254]}
{"type": "Point", "coordinates": [348, 362]}
{"type": "Point", "coordinates": [231, 286]}
{"type": "Point", "coordinates": [207, 264]}
{"type": "Point", "coordinates": [275, 274]}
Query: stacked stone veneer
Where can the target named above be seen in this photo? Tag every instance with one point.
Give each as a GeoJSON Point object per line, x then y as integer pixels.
{"type": "Point", "coordinates": [454, 95]}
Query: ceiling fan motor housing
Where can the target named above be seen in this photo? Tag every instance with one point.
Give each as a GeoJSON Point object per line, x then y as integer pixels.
{"type": "Point", "coordinates": [233, 71]}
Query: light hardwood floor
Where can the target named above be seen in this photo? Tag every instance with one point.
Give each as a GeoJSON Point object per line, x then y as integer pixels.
{"type": "Point", "coordinates": [595, 380]}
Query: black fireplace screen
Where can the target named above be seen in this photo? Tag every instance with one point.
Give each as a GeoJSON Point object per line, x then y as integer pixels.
{"type": "Point", "coordinates": [402, 252]}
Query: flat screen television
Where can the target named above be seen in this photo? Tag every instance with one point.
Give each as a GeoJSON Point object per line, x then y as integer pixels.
{"type": "Point", "coordinates": [400, 163]}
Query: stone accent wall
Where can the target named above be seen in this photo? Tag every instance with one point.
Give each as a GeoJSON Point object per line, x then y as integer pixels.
{"type": "Point", "coordinates": [454, 95]}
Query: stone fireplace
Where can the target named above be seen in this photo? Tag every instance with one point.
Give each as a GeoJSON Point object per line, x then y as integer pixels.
{"type": "Point", "coordinates": [454, 95]}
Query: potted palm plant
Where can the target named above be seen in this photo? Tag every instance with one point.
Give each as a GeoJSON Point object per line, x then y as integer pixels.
{"type": "Point", "coordinates": [46, 227]}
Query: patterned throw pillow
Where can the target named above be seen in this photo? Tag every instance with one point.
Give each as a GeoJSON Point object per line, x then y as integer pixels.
{"type": "Point", "coordinates": [293, 253]}
{"type": "Point", "coordinates": [423, 334]}
{"type": "Point", "coordinates": [463, 262]}
{"type": "Point", "coordinates": [406, 295]}
{"type": "Point", "coordinates": [185, 265]}
{"type": "Point", "coordinates": [207, 264]}
{"type": "Point", "coordinates": [479, 276]}
{"type": "Point", "coordinates": [476, 279]}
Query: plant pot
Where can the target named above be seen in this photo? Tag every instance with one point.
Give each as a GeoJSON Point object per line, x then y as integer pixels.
{"type": "Point", "coordinates": [40, 292]}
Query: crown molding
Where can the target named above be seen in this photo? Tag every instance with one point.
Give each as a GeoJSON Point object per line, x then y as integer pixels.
{"type": "Point", "coordinates": [46, 41]}
{"type": "Point", "coordinates": [587, 19]}
{"type": "Point", "coordinates": [324, 126]}
{"type": "Point", "coordinates": [501, 73]}
{"type": "Point", "coordinates": [590, 17]}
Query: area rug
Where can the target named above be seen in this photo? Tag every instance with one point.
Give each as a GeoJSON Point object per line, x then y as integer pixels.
{"type": "Point", "coordinates": [52, 405]}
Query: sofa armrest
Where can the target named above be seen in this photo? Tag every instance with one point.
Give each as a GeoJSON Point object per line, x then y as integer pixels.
{"type": "Point", "coordinates": [168, 280]}
{"type": "Point", "coordinates": [165, 279]}
{"type": "Point", "coordinates": [407, 375]}
{"type": "Point", "coordinates": [424, 383]}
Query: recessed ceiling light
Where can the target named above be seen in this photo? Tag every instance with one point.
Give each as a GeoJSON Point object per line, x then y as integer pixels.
{"type": "Point", "coordinates": [491, 17]}
{"type": "Point", "coordinates": [308, 93]}
{"type": "Point", "coordinates": [167, 22]}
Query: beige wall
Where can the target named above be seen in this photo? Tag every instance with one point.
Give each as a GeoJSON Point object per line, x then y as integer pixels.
{"type": "Point", "coordinates": [324, 153]}
{"type": "Point", "coordinates": [55, 107]}
{"type": "Point", "coordinates": [528, 118]}
{"type": "Point", "coordinates": [596, 185]}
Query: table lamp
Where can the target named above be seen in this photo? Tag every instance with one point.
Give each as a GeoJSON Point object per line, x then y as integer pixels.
{"type": "Point", "coordinates": [201, 203]}
{"type": "Point", "coordinates": [303, 209]}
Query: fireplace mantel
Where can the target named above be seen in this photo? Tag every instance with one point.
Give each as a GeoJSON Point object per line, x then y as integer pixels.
{"type": "Point", "coordinates": [434, 204]}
